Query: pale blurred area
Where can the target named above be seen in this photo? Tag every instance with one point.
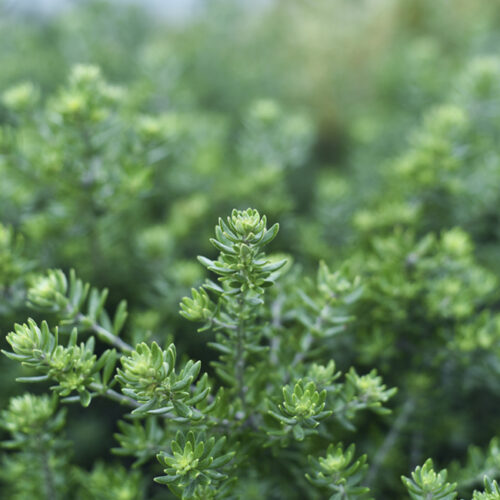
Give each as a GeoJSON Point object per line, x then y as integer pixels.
{"type": "Point", "coordinates": [175, 9]}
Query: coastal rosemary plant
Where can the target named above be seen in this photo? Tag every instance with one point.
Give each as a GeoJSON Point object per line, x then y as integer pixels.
{"type": "Point", "coordinates": [387, 255]}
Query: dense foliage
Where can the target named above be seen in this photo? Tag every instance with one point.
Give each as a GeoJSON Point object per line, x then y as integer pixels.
{"type": "Point", "coordinates": [348, 340]}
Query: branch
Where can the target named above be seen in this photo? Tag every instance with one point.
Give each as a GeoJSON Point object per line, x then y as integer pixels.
{"type": "Point", "coordinates": [389, 441]}
{"type": "Point", "coordinates": [106, 334]}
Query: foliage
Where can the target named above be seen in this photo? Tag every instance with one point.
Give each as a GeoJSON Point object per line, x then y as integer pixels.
{"type": "Point", "coordinates": [425, 483]}
{"type": "Point", "coordinates": [369, 130]}
{"type": "Point", "coordinates": [338, 474]}
{"type": "Point", "coordinates": [246, 398]}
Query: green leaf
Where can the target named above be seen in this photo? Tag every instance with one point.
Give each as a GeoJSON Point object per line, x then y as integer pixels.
{"type": "Point", "coordinates": [85, 398]}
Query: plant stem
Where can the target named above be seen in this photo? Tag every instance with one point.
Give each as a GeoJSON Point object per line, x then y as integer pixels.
{"type": "Point", "coordinates": [308, 339]}
{"type": "Point", "coordinates": [112, 339]}
{"type": "Point", "coordinates": [114, 396]}
{"type": "Point", "coordinates": [276, 308]}
{"type": "Point", "coordinates": [125, 400]}
{"type": "Point", "coordinates": [50, 490]}
{"type": "Point", "coordinates": [389, 441]}
{"type": "Point", "coordinates": [106, 335]}
{"type": "Point", "coordinates": [240, 355]}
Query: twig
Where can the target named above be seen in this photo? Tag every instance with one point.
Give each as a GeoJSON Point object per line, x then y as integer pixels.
{"type": "Point", "coordinates": [106, 334]}
{"type": "Point", "coordinates": [390, 440]}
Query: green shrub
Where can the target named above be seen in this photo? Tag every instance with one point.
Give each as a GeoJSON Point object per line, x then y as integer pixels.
{"type": "Point", "coordinates": [369, 131]}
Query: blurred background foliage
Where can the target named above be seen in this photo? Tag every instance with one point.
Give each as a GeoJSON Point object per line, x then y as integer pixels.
{"type": "Point", "coordinates": [367, 128]}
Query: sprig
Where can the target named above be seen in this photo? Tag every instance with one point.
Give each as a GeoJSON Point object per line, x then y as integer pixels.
{"type": "Point", "coordinates": [194, 464]}
{"type": "Point", "coordinates": [77, 304]}
{"type": "Point", "coordinates": [74, 367]}
{"type": "Point", "coordinates": [340, 473]}
{"type": "Point", "coordinates": [244, 271]}
{"type": "Point", "coordinates": [148, 376]}
{"type": "Point", "coordinates": [491, 491]}
{"type": "Point", "coordinates": [302, 409]}
{"type": "Point", "coordinates": [426, 484]}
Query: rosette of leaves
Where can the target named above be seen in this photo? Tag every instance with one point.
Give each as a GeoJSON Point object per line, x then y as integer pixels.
{"type": "Point", "coordinates": [143, 440]}
{"type": "Point", "coordinates": [302, 409]}
{"type": "Point", "coordinates": [479, 464]}
{"type": "Point", "coordinates": [109, 481]}
{"type": "Point", "coordinates": [491, 491]}
{"type": "Point", "coordinates": [30, 415]}
{"type": "Point", "coordinates": [76, 303]}
{"type": "Point", "coordinates": [365, 391]}
{"type": "Point", "coordinates": [73, 367]}
{"type": "Point", "coordinates": [194, 467]}
{"type": "Point", "coordinates": [339, 473]}
{"type": "Point", "coordinates": [324, 305]}
{"type": "Point", "coordinates": [36, 463]}
{"type": "Point", "coordinates": [242, 266]}
{"type": "Point", "coordinates": [149, 377]}
{"type": "Point", "coordinates": [426, 484]}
